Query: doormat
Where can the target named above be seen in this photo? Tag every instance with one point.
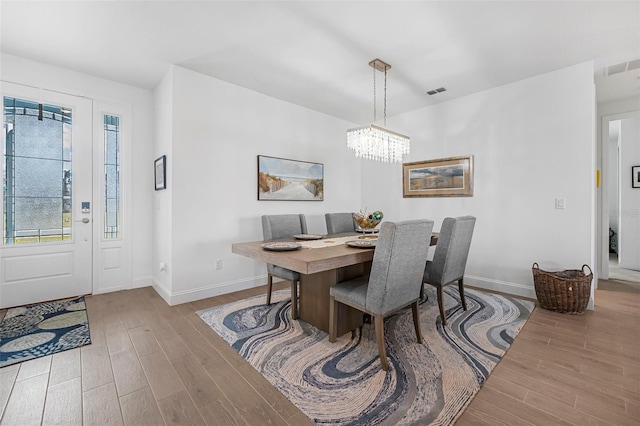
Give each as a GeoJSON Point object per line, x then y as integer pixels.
{"type": "Point", "coordinates": [41, 329]}
{"type": "Point", "coordinates": [343, 383]}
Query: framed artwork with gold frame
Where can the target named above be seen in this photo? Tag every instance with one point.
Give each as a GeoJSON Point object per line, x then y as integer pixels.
{"type": "Point", "coordinates": [444, 177]}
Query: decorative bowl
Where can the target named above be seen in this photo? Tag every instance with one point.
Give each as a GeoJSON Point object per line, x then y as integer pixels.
{"type": "Point", "coordinates": [367, 221]}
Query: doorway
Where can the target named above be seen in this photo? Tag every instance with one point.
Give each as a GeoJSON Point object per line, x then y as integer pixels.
{"type": "Point", "coordinates": [47, 243]}
{"type": "Point", "coordinates": [621, 151]}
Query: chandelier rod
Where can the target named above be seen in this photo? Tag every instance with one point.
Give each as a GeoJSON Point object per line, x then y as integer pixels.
{"type": "Point", "coordinates": [375, 118]}
{"type": "Point", "coordinates": [385, 96]}
{"type": "Point", "coordinates": [379, 65]}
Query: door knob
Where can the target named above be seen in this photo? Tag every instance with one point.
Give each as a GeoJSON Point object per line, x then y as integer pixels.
{"type": "Point", "coordinates": [85, 220]}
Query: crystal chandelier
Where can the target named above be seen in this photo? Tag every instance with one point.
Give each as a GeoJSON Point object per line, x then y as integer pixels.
{"type": "Point", "coordinates": [373, 142]}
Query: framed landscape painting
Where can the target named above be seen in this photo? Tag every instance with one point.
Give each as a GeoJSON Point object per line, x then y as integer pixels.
{"type": "Point", "coordinates": [445, 177]}
{"type": "Point", "coordinates": [280, 179]}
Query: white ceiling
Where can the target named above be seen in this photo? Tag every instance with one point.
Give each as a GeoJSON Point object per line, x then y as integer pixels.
{"type": "Point", "coordinates": [315, 54]}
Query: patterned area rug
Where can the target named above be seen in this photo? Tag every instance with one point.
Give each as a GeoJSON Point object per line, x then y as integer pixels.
{"type": "Point", "coordinates": [342, 383]}
{"type": "Point", "coordinates": [41, 329]}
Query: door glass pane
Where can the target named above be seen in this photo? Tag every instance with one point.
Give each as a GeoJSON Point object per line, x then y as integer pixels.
{"type": "Point", "coordinates": [111, 176]}
{"type": "Point", "coordinates": [38, 214]}
{"type": "Point", "coordinates": [33, 138]}
{"type": "Point", "coordinates": [36, 172]}
{"type": "Point", "coordinates": [36, 177]}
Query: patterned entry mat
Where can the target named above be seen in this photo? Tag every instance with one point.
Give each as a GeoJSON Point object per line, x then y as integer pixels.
{"type": "Point", "coordinates": [41, 329]}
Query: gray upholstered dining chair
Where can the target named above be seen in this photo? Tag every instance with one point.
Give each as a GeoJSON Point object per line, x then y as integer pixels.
{"type": "Point", "coordinates": [339, 222]}
{"type": "Point", "coordinates": [450, 258]}
{"type": "Point", "coordinates": [394, 282]}
{"type": "Point", "coordinates": [283, 226]}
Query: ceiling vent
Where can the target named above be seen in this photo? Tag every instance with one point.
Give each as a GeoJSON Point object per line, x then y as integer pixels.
{"type": "Point", "coordinates": [436, 91]}
{"type": "Point", "coordinates": [623, 67]}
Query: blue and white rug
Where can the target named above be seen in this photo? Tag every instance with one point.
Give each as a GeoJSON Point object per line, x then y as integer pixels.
{"type": "Point", "coordinates": [342, 383]}
{"type": "Point", "coordinates": [32, 331]}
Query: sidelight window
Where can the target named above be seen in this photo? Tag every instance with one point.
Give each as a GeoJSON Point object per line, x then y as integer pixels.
{"type": "Point", "coordinates": [111, 176]}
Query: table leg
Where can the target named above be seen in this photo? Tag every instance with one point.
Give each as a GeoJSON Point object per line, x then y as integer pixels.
{"type": "Point", "coordinates": [314, 299]}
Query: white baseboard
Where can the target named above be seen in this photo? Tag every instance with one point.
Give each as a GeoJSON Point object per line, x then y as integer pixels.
{"type": "Point", "coordinates": [178, 297]}
{"type": "Point", "coordinates": [185, 296]}
{"type": "Point", "coordinates": [516, 289]}
{"type": "Point", "coordinates": [175, 298]}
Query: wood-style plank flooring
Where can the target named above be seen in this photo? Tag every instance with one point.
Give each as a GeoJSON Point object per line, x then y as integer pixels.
{"type": "Point", "coordinates": [152, 364]}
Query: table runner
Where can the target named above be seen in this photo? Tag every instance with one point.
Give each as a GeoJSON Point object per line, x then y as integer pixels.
{"type": "Point", "coordinates": [327, 242]}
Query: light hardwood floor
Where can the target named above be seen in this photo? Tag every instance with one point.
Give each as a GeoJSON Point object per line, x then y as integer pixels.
{"type": "Point", "coordinates": [150, 363]}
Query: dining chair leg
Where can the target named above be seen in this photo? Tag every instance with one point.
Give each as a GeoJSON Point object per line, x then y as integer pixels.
{"type": "Point", "coordinates": [461, 290]}
{"type": "Point", "coordinates": [333, 319]}
{"type": "Point", "coordinates": [379, 324]}
{"type": "Point", "coordinates": [441, 305]}
{"type": "Point", "coordinates": [269, 287]}
{"type": "Point", "coordinates": [421, 291]}
{"type": "Point", "coordinates": [416, 320]}
{"type": "Point", "coordinates": [294, 299]}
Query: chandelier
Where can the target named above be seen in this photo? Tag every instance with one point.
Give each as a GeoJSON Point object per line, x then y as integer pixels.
{"type": "Point", "coordinates": [373, 142]}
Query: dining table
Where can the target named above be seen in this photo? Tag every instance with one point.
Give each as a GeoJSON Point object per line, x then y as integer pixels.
{"type": "Point", "coordinates": [321, 263]}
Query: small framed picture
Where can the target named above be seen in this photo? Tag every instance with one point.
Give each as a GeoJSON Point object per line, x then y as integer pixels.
{"type": "Point", "coordinates": [161, 173]}
{"type": "Point", "coordinates": [635, 176]}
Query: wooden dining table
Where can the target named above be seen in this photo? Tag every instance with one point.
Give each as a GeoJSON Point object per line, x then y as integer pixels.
{"type": "Point", "coordinates": [320, 269]}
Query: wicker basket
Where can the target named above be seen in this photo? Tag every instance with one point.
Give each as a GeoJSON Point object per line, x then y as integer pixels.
{"type": "Point", "coordinates": [563, 291]}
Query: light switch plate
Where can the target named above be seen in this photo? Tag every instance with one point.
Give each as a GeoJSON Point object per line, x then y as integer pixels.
{"type": "Point", "coordinates": [560, 203]}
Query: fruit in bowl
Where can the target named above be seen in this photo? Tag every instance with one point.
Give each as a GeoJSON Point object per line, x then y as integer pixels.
{"type": "Point", "coordinates": [367, 221]}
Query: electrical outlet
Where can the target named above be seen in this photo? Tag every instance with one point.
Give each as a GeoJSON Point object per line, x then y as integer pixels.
{"type": "Point", "coordinates": [218, 263]}
{"type": "Point", "coordinates": [163, 266]}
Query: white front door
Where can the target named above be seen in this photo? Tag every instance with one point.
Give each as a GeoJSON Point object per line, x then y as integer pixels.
{"type": "Point", "coordinates": [46, 248]}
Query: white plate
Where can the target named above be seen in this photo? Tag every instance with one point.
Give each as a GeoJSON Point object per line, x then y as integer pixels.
{"type": "Point", "coordinates": [362, 243]}
{"type": "Point", "coordinates": [281, 246]}
{"type": "Point", "coordinates": [307, 237]}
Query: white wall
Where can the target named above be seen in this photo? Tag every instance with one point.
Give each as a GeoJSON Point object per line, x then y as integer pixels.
{"type": "Point", "coordinates": [532, 142]}
{"type": "Point", "coordinates": [162, 202]}
{"type": "Point", "coordinates": [22, 71]}
{"type": "Point", "coordinates": [629, 236]}
{"type": "Point", "coordinates": [219, 129]}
